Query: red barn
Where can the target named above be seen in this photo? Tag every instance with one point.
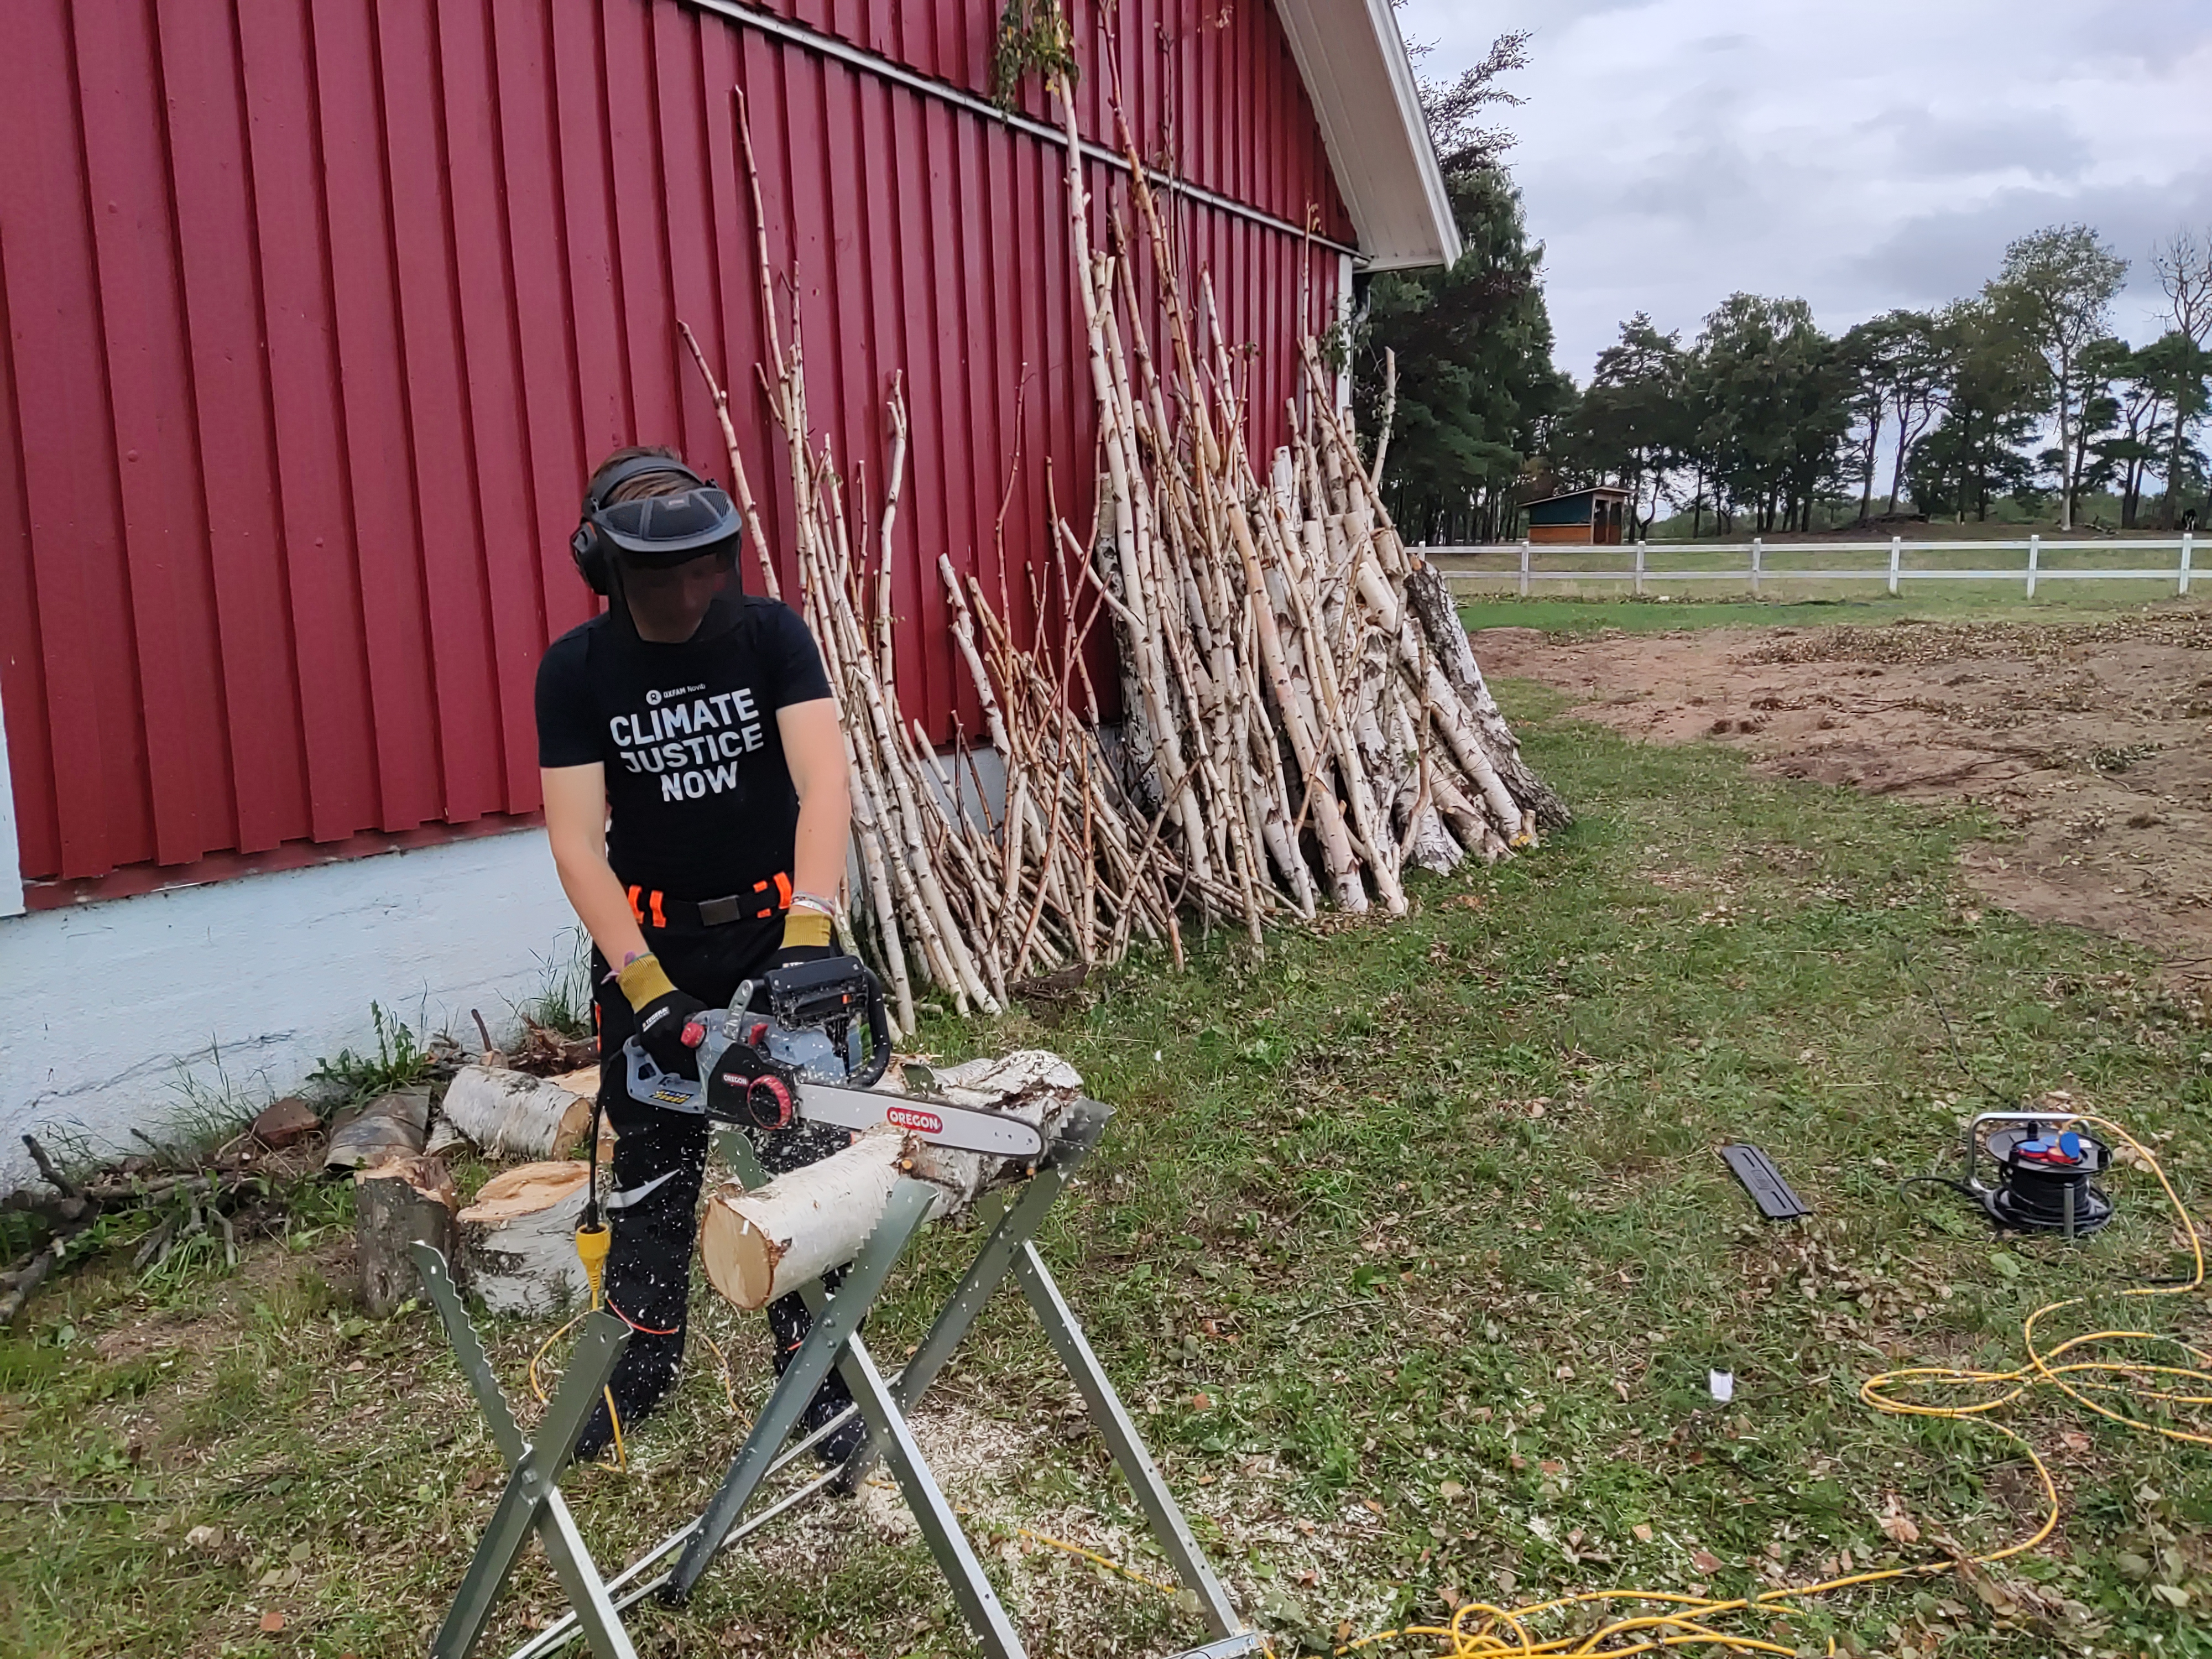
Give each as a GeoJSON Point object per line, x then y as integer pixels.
{"type": "Point", "coordinates": [318, 311]}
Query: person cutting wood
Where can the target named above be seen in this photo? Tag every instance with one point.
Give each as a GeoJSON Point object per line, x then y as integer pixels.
{"type": "Point", "coordinates": [696, 803]}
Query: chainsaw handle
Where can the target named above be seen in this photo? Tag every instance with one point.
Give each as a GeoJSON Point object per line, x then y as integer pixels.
{"type": "Point", "coordinates": [879, 1034]}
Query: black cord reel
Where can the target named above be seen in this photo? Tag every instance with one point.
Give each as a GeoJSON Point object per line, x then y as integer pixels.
{"type": "Point", "coordinates": [2047, 1168]}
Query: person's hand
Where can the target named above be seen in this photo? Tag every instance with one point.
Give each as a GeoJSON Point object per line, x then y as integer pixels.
{"type": "Point", "coordinates": [666, 1016]}
{"type": "Point", "coordinates": [808, 936]}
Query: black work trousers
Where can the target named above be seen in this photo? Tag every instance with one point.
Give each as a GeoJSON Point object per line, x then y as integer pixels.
{"type": "Point", "coordinates": [659, 1160]}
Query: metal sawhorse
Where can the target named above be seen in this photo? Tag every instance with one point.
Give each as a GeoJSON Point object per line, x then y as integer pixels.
{"type": "Point", "coordinates": [532, 1501]}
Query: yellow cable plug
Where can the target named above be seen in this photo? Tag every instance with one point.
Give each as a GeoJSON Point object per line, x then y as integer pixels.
{"type": "Point", "coordinates": [593, 1244]}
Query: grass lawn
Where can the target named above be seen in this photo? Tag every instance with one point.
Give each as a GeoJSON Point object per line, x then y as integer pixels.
{"type": "Point", "coordinates": [1410, 1247]}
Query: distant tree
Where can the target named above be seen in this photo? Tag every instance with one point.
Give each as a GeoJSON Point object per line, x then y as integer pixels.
{"type": "Point", "coordinates": [2102, 369]}
{"type": "Point", "coordinates": [1911, 361]}
{"type": "Point", "coordinates": [1894, 370]}
{"type": "Point", "coordinates": [1862, 355]}
{"type": "Point", "coordinates": [1477, 395]}
{"type": "Point", "coordinates": [1989, 381]}
{"type": "Point", "coordinates": [2184, 263]}
{"type": "Point", "coordinates": [2177, 363]}
{"type": "Point", "coordinates": [2056, 287]}
{"type": "Point", "coordinates": [1454, 109]}
{"type": "Point", "coordinates": [2129, 419]}
{"type": "Point", "coordinates": [1771, 405]}
{"type": "Point", "coordinates": [1632, 424]}
{"type": "Point", "coordinates": [1475, 379]}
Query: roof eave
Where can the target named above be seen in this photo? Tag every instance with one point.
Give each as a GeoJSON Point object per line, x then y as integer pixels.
{"type": "Point", "coordinates": [1353, 60]}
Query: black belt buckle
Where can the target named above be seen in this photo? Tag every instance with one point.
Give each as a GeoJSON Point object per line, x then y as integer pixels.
{"type": "Point", "coordinates": [720, 911]}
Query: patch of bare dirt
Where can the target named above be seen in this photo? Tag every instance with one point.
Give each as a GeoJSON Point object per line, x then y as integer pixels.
{"type": "Point", "coordinates": [2093, 742]}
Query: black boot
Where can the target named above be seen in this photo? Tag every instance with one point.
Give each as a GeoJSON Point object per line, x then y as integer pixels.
{"type": "Point", "coordinates": [645, 1372]}
{"type": "Point", "coordinates": [830, 1400]}
{"type": "Point", "coordinates": [788, 1318]}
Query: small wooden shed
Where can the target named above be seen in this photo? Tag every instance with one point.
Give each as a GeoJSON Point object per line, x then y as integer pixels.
{"type": "Point", "coordinates": [1581, 517]}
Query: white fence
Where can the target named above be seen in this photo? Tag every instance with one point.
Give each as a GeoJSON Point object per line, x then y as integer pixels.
{"type": "Point", "coordinates": [1896, 572]}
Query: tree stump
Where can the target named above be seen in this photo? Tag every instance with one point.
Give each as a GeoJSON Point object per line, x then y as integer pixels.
{"type": "Point", "coordinates": [518, 1239]}
{"type": "Point", "coordinates": [391, 1125]}
{"type": "Point", "coordinates": [395, 1205]}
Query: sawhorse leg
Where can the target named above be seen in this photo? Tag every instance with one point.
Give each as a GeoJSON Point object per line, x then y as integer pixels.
{"type": "Point", "coordinates": [1112, 1420]}
{"type": "Point", "coordinates": [835, 1340]}
{"type": "Point", "coordinates": [1009, 1249]}
{"type": "Point", "coordinates": [532, 1500]}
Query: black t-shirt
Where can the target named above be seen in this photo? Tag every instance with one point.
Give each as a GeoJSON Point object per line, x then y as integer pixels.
{"type": "Point", "coordinates": [702, 804]}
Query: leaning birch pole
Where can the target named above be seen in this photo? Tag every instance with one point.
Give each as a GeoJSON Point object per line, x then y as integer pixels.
{"type": "Point", "coordinates": [1304, 721]}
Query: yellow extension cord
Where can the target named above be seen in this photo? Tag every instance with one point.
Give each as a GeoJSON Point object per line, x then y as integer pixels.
{"type": "Point", "coordinates": [592, 1246]}
{"type": "Point", "coordinates": [1503, 1633]}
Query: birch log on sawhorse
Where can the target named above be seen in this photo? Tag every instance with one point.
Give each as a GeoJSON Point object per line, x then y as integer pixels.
{"type": "Point", "coordinates": [759, 1242]}
{"type": "Point", "coordinates": [882, 1406]}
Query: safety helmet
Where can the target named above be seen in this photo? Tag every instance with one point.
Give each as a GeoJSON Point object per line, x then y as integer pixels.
{"type": "Point", "coordinates": [651, 530]}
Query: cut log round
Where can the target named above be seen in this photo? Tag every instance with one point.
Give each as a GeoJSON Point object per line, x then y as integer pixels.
{"type": "Point", "coordinates": [504, 1111]}
{"type": "Point", "coordinates": [518, 1241]}
{"type": "Point", "coordinates": [396, 1204]}
{"type": "Point", "coordinates": [759, 1245]}
{"type": "Point", "coordinates": [584, 1081]}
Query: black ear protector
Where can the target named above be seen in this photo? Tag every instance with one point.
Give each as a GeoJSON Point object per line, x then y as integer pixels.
{"type": "Point", "coordinates": [588, 546]}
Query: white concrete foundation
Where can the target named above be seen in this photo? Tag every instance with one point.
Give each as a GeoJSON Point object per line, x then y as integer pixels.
{"type": "Point", "coordinates": [115, 1011]}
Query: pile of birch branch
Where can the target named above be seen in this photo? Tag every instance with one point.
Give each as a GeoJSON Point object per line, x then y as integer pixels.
{"type": "Point", "coordinates": [1302, 715]}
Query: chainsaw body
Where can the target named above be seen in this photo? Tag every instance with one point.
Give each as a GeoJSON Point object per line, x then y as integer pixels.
{"type": "Point", "coordinates": [822, 1022]}
{"type": "Point", "coordinates": [807, 1043]}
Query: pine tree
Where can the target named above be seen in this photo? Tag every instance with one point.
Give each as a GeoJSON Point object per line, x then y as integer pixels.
{"type": "Point", "coordinates": [1477, 395]}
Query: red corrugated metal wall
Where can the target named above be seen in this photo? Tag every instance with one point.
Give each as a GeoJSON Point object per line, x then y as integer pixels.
{"type": "Point", "coordinates": [318, 311]}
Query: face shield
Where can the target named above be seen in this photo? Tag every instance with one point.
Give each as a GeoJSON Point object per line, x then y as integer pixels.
{"type": "Point", "coordinates": [673, 562]}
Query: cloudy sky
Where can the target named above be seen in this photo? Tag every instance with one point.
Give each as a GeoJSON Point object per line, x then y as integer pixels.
{"type": "Point", "coordinates": [1862, 155]}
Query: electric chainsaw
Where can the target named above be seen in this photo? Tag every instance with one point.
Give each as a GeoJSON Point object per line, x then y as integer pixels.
{"type": "Point", "coordinates": [805, 1044]}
